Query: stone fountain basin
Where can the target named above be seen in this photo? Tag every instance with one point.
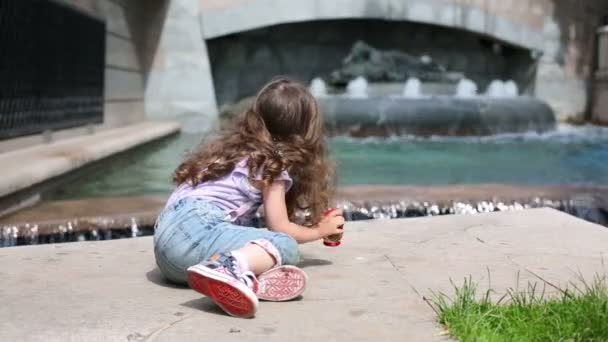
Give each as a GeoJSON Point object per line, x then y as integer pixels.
{"type": "Point", "coordinates": [439, 115]}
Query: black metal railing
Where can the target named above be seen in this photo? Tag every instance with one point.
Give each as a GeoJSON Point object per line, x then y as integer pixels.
{"type": "Point", "coordinates": [52, 61]}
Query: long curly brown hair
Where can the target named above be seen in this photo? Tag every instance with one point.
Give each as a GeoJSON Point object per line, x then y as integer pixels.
{"type": "Point", "coordinates": [283, 130]}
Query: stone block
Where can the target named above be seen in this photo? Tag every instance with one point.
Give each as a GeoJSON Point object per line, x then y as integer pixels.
{"type": "Point", "coordinates": [600, 102]}
{"type": "Point", "coordinates": [181, 84]}
{"type": "Point", "coordinates": [86, 6]}
{"type": "Point", "coordinates": [567, 97]}
{"type": "Point", "coordinates": [345, 9]}
{"type": "Point", "coordinates": [181, 80]}
{"type": "Point", "coordinates": [421, 11]}
{"type": "Point", "coordinates": [123, 85]}
{"type": "Point", "coordinates": [114, 14]}
{"type": "Point", "coordinates": [252, 15]}
{"type": "Point", "coordinates": [550, 71]}
{"type": "Point", "coordinates": [120, 52]}
{"type": "Point", "coordinates": [449, 15]}
{"type": "Point", "coordinates": [122, 113]}
{"type": "Point", "coordinates": [475, 20]}
{"type": "Point", "coordinates": [602, 61]}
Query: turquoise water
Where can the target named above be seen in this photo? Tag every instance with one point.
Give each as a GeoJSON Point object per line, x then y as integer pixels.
{"type": "Point", "coordinates": [568, 155]}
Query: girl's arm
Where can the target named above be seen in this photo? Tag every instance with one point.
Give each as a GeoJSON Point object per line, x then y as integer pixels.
{"type": "Point", "coordinates": [275, 211]}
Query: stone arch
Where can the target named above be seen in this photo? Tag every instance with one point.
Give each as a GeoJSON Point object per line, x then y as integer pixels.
{"type": "Point", "coordinates": [242, 62]}
{"type": "Point", "coordinates": [236, 16]}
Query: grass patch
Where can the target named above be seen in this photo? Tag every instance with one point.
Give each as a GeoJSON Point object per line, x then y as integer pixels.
{"type": "Point", "coordinates": [579, 313]}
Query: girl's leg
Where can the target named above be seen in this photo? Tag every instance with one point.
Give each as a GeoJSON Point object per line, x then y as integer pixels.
{"type": "Point", "coordinates": [254, 258]}
{"type": "Point", "coordinates": [275, 284]}
{"type": "Point", "coordinates": [191, 231]}
{"type": "Point", "coordinates": [180, 235]}
{"type": "Point", "coordinates": [234, 255]}
{"type": "Point", "coordinates": [260, 248]}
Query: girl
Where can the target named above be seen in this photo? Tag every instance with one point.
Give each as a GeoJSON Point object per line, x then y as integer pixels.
{"type": "Point", "coordinates": [274, 155]}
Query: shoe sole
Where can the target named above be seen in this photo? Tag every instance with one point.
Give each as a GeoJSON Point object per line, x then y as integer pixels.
{"type": "Point", "coordinates": [235, 298]}
{"type": "Point", "coordinates": [282, 284]}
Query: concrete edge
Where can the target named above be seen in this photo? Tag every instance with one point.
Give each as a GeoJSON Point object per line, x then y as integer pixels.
{"type": "Point", "coordinates": [70, 216]}
{"type": "Point", "coordinates": [36, 164]}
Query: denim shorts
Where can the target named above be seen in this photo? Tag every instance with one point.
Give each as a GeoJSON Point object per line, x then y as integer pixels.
{"type": "Point", "coordinates": [192, 230]}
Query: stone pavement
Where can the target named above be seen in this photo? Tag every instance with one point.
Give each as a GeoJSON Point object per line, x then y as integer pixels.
{"type": "Point", "coordinates": [371, 288]}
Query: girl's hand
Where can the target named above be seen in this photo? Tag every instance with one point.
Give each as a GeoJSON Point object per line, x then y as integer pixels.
{"type": "Point", "coordinates": [275, 211]}
{"type": "Point", "coordinates": [331, 224]}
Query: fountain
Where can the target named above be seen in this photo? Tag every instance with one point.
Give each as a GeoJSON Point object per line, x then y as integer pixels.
{"type": "Point", "coordinates": [357, 88]}
{"type": "Point", "coordinates": [412, 88]}
{"type": "Point", "coordinates": [500, 110]}
{"type": "Point", "coordinates": [318, 88]}
{"type": "Point", "coordinates": [511, 89]}
{"type": "Point", "coordinates": [496, 89]}
{"type": "Point", "coordinates": [500, 89]}
{"type": "Point", "coordinates": [466, 88]}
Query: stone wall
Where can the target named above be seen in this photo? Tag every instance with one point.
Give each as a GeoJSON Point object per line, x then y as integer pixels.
{"type": "Point", "coordinates": [560, 32]}
{"type": "Point", "coordinates": [565, 73]}
{"type": "Point", "coordinates": [179, 79]}
{"type": "Point", "coordinates": [157, 64]}
{"type": "Point", "coordinates": [600, 98]}
{"type": "Point", "coordinates": [124, 75]}
{"type": "Point", "coordinates": [157, 48]}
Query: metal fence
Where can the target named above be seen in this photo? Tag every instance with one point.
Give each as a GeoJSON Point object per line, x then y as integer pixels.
{"type": "Point", "coordinates": [52, 61]}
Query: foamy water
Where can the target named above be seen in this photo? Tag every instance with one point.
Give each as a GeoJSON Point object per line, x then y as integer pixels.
{"type": "Point", "coordinates": [564, 133]}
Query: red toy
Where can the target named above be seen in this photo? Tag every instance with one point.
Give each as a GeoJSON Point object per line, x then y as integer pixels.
{"type": "Point", "coordinates": [332, 240]}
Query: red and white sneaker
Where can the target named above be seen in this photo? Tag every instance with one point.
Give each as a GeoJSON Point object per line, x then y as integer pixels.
{"type": "Point", "coordinates": [221, 280]}
{"type": "Point", "coordinates": [281, 283]}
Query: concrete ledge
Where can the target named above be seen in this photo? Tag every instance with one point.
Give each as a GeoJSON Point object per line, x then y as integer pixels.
{"type": "Point", "coordinates": [116, 213]}
{"type": "Point", "coordinates": [29, 166]}
{"type": "Point", "coordinates": [370, 288]}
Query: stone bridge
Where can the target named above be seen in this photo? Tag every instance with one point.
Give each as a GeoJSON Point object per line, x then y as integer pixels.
{"type": "Point", "coordinates": [176, 41]}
